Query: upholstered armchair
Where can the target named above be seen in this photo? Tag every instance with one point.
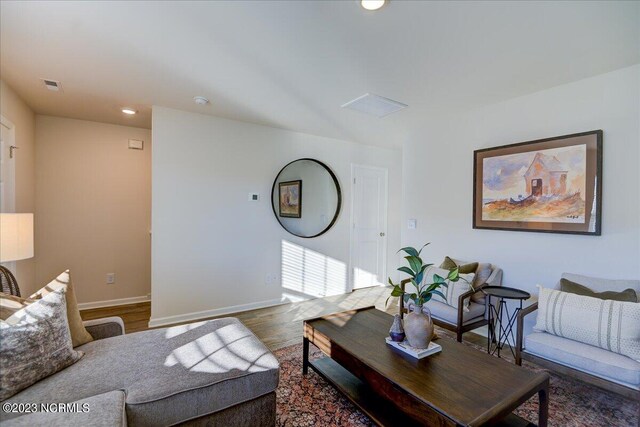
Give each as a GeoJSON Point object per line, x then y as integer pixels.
{"type": "Point", "coordinates": [457, 319]}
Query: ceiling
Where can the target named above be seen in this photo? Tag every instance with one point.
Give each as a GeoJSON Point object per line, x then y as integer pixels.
{"type": "Point", "coordinates": [293, 64]}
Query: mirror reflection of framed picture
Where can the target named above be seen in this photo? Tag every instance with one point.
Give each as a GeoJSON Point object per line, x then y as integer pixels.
{"type": "Point", "coordinates": [290, 196]}
{"type": "Point", "coordinates": [551, 185]}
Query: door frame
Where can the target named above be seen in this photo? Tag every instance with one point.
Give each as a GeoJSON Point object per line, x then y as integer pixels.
{"type": "Point", "coordinates": [6, 123]}
{"type": "Point", "coordinates": [352, 243]}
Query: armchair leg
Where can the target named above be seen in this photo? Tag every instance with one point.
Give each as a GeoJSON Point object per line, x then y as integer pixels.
{"type": "Point", "coordinates": [459, 335]}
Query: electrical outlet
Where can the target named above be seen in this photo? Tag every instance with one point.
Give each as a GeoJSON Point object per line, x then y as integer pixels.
{"type": "Point", "coordinates": [111, 278]}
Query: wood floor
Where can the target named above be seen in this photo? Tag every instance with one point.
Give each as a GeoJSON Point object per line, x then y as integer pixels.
{"type": "Point", "coordinates": [278, 326]}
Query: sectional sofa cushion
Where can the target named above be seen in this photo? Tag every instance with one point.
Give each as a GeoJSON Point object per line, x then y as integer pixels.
{"type": "Point", "coordinates": [36, 343]}
{"type": "Point", "coordinates": [79, 334]}
{"type": "Point", "coordinates": [628, 295]}
{"type": "Point", "coordinates": [103, 410]}
{"type": "Point", "coordinates": [577, 355]}
{"type": "Point", "coordinates": [611, 325]}
{"type": "Point", "coordinates": [169, 375]}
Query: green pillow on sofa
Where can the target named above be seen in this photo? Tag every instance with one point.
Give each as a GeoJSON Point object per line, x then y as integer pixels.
{"type": "Point", "coordinates": [628, 295]}
{"type": "Point", "coordinates": [449, 264]}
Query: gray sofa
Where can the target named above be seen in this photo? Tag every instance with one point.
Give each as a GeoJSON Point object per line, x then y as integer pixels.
{"type": "Point", "coordinates": [594, 365]}
{"type": "Point", "coordinates": [207, 373]}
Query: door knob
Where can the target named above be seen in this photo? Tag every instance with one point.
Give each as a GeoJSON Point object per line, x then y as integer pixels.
{"type": "Point", "coordinates": [381, 234]}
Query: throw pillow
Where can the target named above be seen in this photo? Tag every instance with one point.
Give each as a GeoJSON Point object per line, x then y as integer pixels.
{"type": "Point", "coordinates": [36, 343]}
{"type": "Point", "coordinates": [453, 290]}
{"type": "Point", "coordinates": [482, 275]}
{"type": "Point", "coordinates": [628, 295]}
{"type": "Point", "coordinates": [9, 304]}
{"type": "Point", "coordinates": [79, 334]}
{"type": "Point", "coordinates": [611, 325]}
{"type": "Point", "coordinates": [449, 264]}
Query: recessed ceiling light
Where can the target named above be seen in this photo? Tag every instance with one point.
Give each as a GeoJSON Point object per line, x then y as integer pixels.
{"type": "Point", "coordinates": [200, 100]}
{"type": "Point", "coordinates": [372, 4]}
{"type": "Point", "coordinates": [129, 111]}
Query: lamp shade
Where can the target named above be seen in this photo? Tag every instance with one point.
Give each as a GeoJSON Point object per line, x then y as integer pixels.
{"type": "Point", "coordinates": [16, 236]}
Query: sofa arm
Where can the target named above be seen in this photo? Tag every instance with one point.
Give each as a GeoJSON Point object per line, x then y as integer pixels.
{"type": "Point", "coordinates": [520, 332]}
{"type": "Point", "coordinates": [105, 327]}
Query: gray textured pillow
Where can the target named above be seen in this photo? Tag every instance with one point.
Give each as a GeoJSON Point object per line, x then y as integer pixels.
{"type": "Point", "coordinates": [482, 274]}
{"type": "Point", "coordinates": [36, 343]}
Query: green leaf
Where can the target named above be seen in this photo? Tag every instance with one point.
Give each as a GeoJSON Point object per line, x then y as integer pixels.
{"type": "Point", "coordinates": [433, 286]}
{"type": "Point", "coordinates": [438, 279]}
{"type": "Point", "coordinates": [415, 263]}
{"type": "Point", "coordinates": [427, 298]}
{"type": "Point", "coordinates": [410, 251]}
{"type": "Point", "coordinates": [397, 291]}
{"type": "Point", "coordinates": [406, 297]}
{"type": "Point", "coordinates": [390, 282]}
{"type": "Point", "coordinates": [419, 277]}
{"type": "Point", "coordinates": [453, 274]}
{"type": "Point", "coordinates": [414, 283]}
{"type": "Point", "coordinates": [406, 270]}
{"type": "Point", "coordinates": [425, 266]}
{"type": "Point", "coordinates": [440, 294]}
{"type": "Point", "coordinates": [423, 246]}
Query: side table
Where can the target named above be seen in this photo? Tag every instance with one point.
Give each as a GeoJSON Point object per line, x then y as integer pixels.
{"type": "Point", "coordinates": [497, 314]}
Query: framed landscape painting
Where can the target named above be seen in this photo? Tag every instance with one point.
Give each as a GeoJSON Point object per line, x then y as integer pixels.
{"type": "Point", "coordinates": [290, 196]}
{"type": "Point", "coordinates": [551, 185]}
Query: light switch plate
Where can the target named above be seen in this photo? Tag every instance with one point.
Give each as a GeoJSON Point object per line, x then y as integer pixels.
{"type": "Point", "coordinates": [136, 144]}
{"type": "Point", "coordinates": [412, 224]}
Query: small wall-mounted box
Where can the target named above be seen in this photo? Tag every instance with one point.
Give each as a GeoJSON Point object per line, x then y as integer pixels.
{"type": "Point", "coordinates": [254, 197]}
{"type": "Point", "coordinates": [136, 144]}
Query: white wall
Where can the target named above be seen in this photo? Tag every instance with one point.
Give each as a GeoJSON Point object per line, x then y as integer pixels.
{"type": "Point", "coordinates": [438, 178]}
{"type": "Point", "coordinates": [18, 112]}
{"type": "Point", "coordinates": [93, 208]}
{"type": "Point", "coordinates": [212, 248]}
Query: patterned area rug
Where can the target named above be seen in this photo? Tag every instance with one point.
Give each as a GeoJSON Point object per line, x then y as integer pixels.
{"type": "Point", "coordinates": [311, 401]}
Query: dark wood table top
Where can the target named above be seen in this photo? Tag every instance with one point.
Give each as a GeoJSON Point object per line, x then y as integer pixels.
{"type": "Point", "coordinates": [468, 386]}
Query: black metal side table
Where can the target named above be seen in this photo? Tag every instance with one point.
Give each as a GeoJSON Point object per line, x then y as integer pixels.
{"type": "Point", "coordinates": [495, 342]}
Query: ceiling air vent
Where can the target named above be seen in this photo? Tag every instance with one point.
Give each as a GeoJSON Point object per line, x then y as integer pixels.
{"type": "Point", "coordinates": [52, 85]}
{"type": "Point", "coordinates": [375, 105]}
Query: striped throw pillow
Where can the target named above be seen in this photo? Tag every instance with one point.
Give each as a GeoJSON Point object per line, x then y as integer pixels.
{"type": "Point", "coordinates": [454, 289]}
{"type": "Point", "coordinates": [611, 325]}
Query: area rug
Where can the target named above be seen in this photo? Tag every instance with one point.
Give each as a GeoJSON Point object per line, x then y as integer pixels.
{"type": "Point", "coordinates": [310, 401]}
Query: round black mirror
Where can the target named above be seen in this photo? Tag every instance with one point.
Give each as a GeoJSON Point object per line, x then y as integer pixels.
{"type": "Point", "coordinates": [306, 198]}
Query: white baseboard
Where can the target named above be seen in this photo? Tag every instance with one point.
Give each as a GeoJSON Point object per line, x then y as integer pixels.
{"type": "Point", "coordinates": [113, 302]}
{"type": "Point", "coordinates": [198, 315]}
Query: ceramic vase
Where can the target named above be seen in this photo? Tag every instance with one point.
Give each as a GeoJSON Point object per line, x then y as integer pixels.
{"type": "Point", "coordinates": [418, 327]}
{"type": "Point", "coordinates": [397, 331]}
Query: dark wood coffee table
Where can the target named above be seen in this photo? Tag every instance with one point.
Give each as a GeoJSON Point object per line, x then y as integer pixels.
{"type": "Point", "coordinates": [460, 386]}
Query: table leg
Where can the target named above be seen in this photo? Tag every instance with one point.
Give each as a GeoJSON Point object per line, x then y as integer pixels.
{"type": "Point", "coordinates": [305, 356]}
{"type": "Point", "coordinates": [543, 405]}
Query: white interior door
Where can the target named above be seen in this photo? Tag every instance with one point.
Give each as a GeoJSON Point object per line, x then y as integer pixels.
{"type": "Point", "coordinates": [369, 226]}
{"type": "Point", "coordinates": [7, 167]}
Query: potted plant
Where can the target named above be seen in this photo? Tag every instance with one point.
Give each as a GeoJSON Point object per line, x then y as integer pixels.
{"type": "Point", "coordinates": [418, 326]}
